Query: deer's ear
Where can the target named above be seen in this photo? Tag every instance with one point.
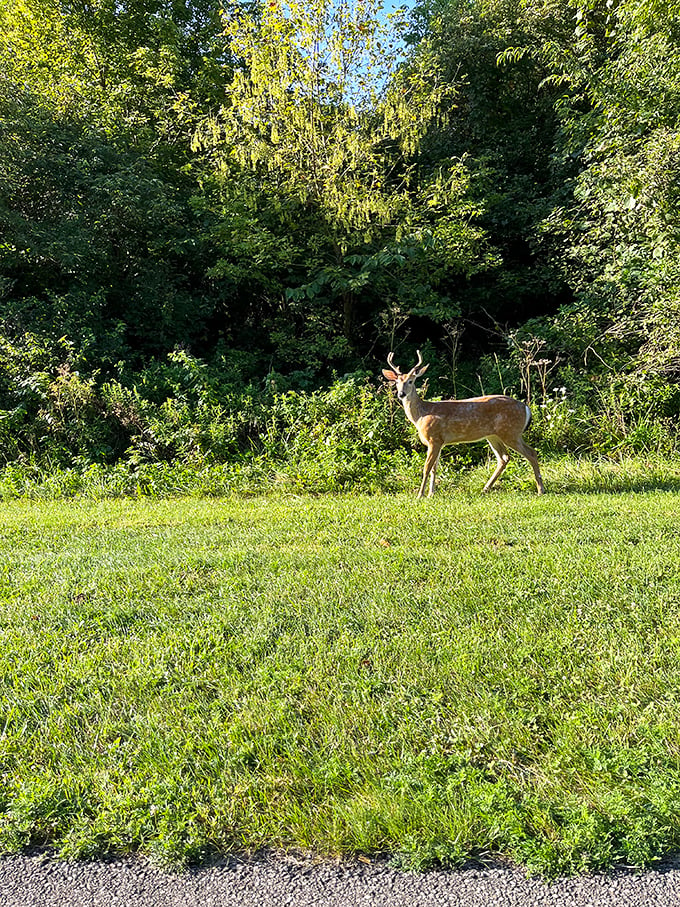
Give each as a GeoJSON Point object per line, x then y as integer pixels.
{"type": "Point", "coordinates": [422, 370]}
{"type": "Point", "coordinates": [391, 376]}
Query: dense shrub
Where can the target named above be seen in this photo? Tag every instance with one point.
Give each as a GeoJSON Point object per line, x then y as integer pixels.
{"type": "Point", "coordinates": [182, 415]}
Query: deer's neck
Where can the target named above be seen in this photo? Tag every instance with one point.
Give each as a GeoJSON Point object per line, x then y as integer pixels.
{"type": "Point", "coordinates": [414, 407]}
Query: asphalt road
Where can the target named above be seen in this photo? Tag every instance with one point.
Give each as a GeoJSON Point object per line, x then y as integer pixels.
{"type": "Point", "coordinates": [38, 881]}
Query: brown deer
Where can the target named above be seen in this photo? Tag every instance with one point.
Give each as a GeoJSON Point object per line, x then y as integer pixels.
{"type": "Point", "coordinates": [498, 419]}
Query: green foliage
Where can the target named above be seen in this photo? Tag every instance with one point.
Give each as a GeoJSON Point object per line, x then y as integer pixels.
{"type": "Point", "coordinates": [66, 199]}
{"type": "Point", "coordinates": [291, 110]}
{"type": "Point", "coordinates": [206, 215]}
{"type": "Point", "coordinates": [136, 67]}
{"type": "Point", "coordinates": [336, 439]}
{"type": "Point", "coordinates": [49, 412]}
{"type": "Point", "coordinates": [179, 411]}
{"type": "Point", "coordinates": [619, 112]}
{"type": "Point", "coordinates": [327, 128]}
{"type": "Point", "coordinates": [503, 121]}
{"type": "Point", "coordinates": [186, 413]}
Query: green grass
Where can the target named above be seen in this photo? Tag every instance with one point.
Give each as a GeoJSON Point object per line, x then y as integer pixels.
{"type": "Point", "coordinates": [467, 675]}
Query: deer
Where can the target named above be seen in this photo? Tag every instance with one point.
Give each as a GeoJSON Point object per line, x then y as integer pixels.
{"type": "Point", "coordinates": [498, 419]}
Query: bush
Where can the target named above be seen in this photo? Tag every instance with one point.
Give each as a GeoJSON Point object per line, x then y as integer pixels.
{"type": "Point", "coordinates": [182, 415]}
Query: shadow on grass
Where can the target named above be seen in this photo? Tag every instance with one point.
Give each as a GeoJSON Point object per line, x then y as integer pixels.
{"type": "Point", "coordinates": [593, 477]}
{"type": "Point", "coordinates": [571, 476]}
{"type": "Point", "coordinates": [613, 485]}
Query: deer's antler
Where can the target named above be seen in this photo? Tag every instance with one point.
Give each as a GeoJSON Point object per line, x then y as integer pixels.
{"type": "Point", "coordinates": [390, 362]}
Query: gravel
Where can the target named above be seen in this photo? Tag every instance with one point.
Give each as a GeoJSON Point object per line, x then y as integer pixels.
{"type": "Point", "coordinates": [37, 880]}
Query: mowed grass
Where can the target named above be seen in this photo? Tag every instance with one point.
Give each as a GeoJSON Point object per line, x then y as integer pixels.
{"type": "Point", "coordinates": [469, 675]}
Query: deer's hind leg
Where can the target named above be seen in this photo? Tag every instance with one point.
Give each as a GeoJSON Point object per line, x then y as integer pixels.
{"type": "Point", "coordinates": [530, 454]}
{"type": "Point", "coordinates": [502, 458]}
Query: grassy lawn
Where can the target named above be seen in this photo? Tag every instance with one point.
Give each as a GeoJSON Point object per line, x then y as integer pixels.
{"type": "Point", "coordinates": [345, 674]}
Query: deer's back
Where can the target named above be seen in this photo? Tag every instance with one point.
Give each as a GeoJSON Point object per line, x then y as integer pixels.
{"type": "Point", "coordinates": [451, 421]}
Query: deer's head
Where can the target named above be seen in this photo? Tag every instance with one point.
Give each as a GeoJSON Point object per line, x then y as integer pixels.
{"type": "Point", "coordinates": [404, 382]}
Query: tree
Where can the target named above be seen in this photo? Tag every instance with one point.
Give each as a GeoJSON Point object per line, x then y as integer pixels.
{"type": "Point", "coordinates": [620, 118]}
{"type": "Point", "coordinates": [135, 68]}
{"type": "Point", "coordinates": [102, 241]}
{"type": "Point", "coordinates": [97, 245]}
{"type": "Point", "coordinates": [504, 121]}
{"type": "Point", "coordinates": [324, 121]}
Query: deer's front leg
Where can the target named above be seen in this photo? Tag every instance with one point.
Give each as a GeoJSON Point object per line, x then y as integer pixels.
{"type": "Point", "coordinates": [430, 469]}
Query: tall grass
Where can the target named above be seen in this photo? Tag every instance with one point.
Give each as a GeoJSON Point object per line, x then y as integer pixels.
{"type": "Point", "coordinates": [462, 470]}
{"type": "Point", "coordinates": [347, 673]}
